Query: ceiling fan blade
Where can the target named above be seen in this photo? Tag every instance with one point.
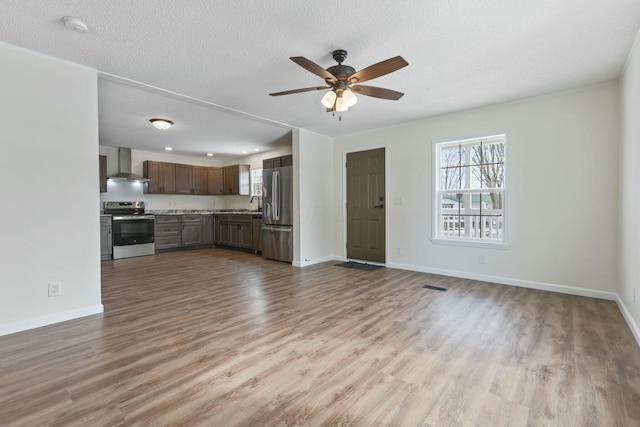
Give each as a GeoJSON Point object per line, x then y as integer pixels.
{"type": "Point", "coordinates": [306, 89]}
{"type": "Point", "coordinates": [379, 69]}
{"type": "Point", "coordinates": [314, 68]}
{"type": "Point", "coordinates": [377, 92]}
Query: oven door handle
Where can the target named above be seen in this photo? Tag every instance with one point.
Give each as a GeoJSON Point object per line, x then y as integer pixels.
{"type": "Point", "coordinates": [133, 218]}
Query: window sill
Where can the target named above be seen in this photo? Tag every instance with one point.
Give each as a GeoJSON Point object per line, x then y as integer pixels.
{"type": "Point", "coordinates": [471, 243]}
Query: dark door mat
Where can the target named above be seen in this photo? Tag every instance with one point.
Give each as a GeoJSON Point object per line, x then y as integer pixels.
{"type": "Point", "coordinates": [435, 288]}
{"type": "Point", "coordinates": [359, 266]}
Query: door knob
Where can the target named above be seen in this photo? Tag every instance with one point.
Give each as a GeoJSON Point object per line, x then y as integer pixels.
{"type": "Point", "coordinates": [379, 206]}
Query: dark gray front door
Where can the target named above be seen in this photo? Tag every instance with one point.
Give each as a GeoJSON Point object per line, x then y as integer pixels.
{"type": "Point", "coordinates": [366, 205]}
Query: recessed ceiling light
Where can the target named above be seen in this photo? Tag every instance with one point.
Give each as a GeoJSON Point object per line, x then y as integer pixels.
{"type": "Point", "coordinates": [256, 149]}
{"type": "Point", "coordinates": [244, 152]}
{"type": "Point", "coordinates": [75, 24]}
{"type": "Point", "coordinates": [210, 154]}
{"type": "Point", "coordinates": [162, 124]}
{"type": "Point", "coordinates": [168, 148]}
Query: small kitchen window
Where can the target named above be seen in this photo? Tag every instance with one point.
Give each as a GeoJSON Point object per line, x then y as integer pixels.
{"type": "Point", "coordinates": [256, 182]}
{"type": "Point", "coordinates": [470, 192]}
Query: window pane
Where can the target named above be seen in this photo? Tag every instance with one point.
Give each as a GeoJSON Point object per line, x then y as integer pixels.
{"type": "Point", "coordinates": [451, 167]}
{"type": "Point", "coordinates": [488, 161]}
{"type": "Point", "coordinates": [470, 197]}
{"type": "Point", "coordinates": [449, 201]}
{"type": "Point", "coordinates": [452, 156]}
{"type": "Point", "coordinates": [451, 225]}
{"type": "Point", "coordinates": [452, 178]}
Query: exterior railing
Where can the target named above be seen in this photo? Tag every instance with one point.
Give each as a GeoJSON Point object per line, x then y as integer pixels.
{"type": "Point", "coordinates": [487, 224]}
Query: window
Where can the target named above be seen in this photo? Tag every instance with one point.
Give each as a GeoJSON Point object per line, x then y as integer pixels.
{"type": "Point", "coordinates": [470, 190]}
{"type": "Point", "coordinates": [256, 182]}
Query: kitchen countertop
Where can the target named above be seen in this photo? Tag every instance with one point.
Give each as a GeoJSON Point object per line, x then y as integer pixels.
{"type": "Point", "coordinates": [204, 212]}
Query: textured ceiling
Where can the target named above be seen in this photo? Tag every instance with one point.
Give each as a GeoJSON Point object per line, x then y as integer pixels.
{"type": "Point", "coordinates": [210, 65]}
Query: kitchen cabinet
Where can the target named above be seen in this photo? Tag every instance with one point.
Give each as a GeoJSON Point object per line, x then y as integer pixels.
{"type": "Point", "coordinates": [236, 180]}
{"type": "Point", "coordinates": [241, 234]}
{"type": "Point", "coordinates": [161, 176]}
{"type": "Point", "coordinates": [191, 230]}
{"type": "Point", "coordinates": [199, 179]}
{"type": "Point", "coordinates": [191, 179]}
{"type": "Point", "coordinates": [102, 164]}
{"type": "Point", "coordinates": [184, 179]}
{"type": "Point", "coordinates": [277, 162]}
{"type": "Point", "coordinates": [271, 163]}
{"type": "Point", "coordinates": [234, 230]}
{"type": "Point", "coordinates": [221, 229]}
{"type": "Point", "coordinates": [168, 231]}
{"type": "Point", "coordinates": [207, 229]}
{"type": "Point", "coordinates": [173, 178]}
{"type": "Point", "coordinates": [256, 223]}
{"type": "Point", "coordinates": [287, 160]}
{"type": "Point", "coordinates": [106, 238]}
{"type": "Point", "coordinates": [215, 186]}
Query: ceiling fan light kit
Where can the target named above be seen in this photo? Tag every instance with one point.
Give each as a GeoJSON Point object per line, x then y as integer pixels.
{"type": "Point", "coordinates": [343, 80]}
{"type": "Point", "coordinates": [328, 99]}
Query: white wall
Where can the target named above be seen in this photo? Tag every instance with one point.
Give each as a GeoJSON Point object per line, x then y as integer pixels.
{"type": "Point", "coordinates": [563, 191]}
{"type": "Point", "coordinates": [48, 167]}
{"type": "Point", "coordinates": [313, 188]}
{"type": "Point", "coordinates": [629, 248]}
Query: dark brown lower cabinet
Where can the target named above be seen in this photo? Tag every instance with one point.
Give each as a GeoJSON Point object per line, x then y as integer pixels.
{"type": "Point", "coordinates": [168, 232]}
{"type": "Point", "coordinates": [106, 238]}
{"type": "Point", "coordinates": [207, 229]}
{"type": "Point", "coordinates": [234, 230]}
{"type": "Point", "coordinates": [191, 230]}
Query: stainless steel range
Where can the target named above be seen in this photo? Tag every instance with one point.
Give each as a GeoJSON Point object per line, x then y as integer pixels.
{"type": "Point", "coordinates": [132, 229]}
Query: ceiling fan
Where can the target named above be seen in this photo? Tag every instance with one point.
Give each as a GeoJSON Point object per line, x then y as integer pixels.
{"type": "Point", "coordinates": [344, 81]}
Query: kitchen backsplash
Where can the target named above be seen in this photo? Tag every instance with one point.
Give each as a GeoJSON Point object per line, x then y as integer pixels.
{"type": "Point", "coordinates": [129, 191]}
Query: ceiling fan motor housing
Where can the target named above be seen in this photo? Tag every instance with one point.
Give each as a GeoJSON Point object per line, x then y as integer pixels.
{"type": "Point", "coordinates": [342, 72]}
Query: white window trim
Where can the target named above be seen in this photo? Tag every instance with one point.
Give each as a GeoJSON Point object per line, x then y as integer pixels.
{"type": "Point", "coordinates": [507, 220]}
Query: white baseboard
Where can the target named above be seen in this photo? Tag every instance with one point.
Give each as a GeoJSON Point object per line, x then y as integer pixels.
{"type": "Point", "coordinates": [12, 328]}
{"type": "Point", "coordinates": [571, 290]}
{"type": "Point", "coordinates": [308, 262]}
{"type": "Point", "coordinates": [635, 330]}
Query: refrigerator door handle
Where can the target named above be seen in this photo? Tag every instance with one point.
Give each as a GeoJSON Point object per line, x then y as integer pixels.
{"type": "Point", "coordinates": [275, 192]}
{"type": "Point", "coordinates": [289, 230]}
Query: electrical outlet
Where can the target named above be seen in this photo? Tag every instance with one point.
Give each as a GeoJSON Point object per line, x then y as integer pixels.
{"type": "Point", "coordinates": [481, 259]}
{"type": "Point", "coordinates": [54, 289]}
{"type": "Point", "coordinates": [399, 251]}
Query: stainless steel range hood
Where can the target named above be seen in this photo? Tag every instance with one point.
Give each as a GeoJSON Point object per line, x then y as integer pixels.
{"type": "Point", "coordinates": [124, 167]}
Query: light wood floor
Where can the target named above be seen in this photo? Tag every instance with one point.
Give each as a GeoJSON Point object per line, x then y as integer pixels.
{"type": "Point", "coordinates": [221, 338]}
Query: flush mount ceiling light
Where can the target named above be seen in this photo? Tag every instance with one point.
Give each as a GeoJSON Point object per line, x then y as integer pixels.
{"type": "Point", "coordinates": [75, 24]}
{"type": "Point", "coordinates": [162, 124]}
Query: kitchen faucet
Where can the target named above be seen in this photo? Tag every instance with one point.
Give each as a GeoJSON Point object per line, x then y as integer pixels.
{"type": "Point", "coordinates": [259, 206]}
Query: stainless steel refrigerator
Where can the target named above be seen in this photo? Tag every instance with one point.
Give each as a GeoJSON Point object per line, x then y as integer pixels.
{"type": "Point", "coordinates": [277, 213]}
